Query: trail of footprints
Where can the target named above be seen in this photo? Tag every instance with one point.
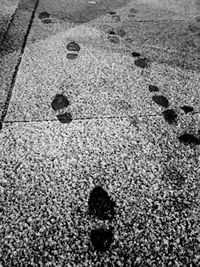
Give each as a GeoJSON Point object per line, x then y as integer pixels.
{"type": "Point", "coordinates": [101, 206]}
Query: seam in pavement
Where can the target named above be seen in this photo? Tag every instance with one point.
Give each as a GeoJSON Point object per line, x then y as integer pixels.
{"type": "Point", "coordinates": [9, 95]}
{"type": "Point", "coordinates": [93, 118]}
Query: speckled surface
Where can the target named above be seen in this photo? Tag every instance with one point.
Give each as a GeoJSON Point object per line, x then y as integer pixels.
{"type": "Point", "coordinates": [109, 133]}
{"type": "Point", "coordinates": [98, 83]}
{"type": "Point", "coordinates": [133, 163]}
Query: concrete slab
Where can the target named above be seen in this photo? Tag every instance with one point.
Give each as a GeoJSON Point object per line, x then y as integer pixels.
{"type": "Point", "coordinates": [48, 171]}
{"type": "Point", "coordinates": [99, 83]}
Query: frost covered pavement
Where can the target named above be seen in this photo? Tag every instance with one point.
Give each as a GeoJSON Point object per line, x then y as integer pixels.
{"type": "Point", "coordinates": [99, 146]}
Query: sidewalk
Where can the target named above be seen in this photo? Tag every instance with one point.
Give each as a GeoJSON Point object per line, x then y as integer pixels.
{"type": "Point", "coordinates": [113, 102]}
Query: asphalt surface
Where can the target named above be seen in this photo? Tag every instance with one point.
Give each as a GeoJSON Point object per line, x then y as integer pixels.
{"type": "Point", "coordinates": [100, 134]}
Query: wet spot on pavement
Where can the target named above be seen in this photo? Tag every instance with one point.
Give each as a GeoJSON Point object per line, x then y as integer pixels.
{"type": "Point", "coordinates": [187, 109]}
{"type": "Point", "coordinates": [170, 116]}
{"type": "Point", "coordinates": [73, 46]}
{"type": "Point", "coordinates": [135, 54]}
{"type": "Point", "coordinates": [189, 139]}
{"type": "Point", "coordinates": [112, 32]}
{"type": "Point", "coordinates": [112, 12]}
{"type": "Point", "coordinates": [46, 21]}
{"type": "Point", "coordinates": [131, 15]}
{"type": "Point", "coordinates": [101, 239]}
{"type": "Point", "coordinates": [59, 102]}
{"type": "Point", "coordinates": [116, 18]}
{"type": "Point", "coordinates": [65, 118]}
{"type": "Point", "coordinates": [161, 100]}
{"type": "Point", "coordinates": [100, 204]}
{"type": "Point", "coordinates": [133, 10]}
{"type": "Point", "coordinates": [43, 15]}
{"type": "Point", "coordinates": [121, 33]}
{"type": "Point", "coordinates": [153, 88]}
{"type": "Point", "coordinates": [141, 62]}
{"type": "Point", "coordinates": [113, 39]}
{"type": "Point", "coordinates": [72, 56]}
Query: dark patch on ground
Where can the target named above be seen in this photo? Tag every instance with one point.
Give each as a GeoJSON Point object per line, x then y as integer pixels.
{"type": "Point", "coordinates": [153, 88]}
{"type": "Point", "coordinates": [121, 33]}
{"type": "Point", "coordinates": [189, 139]}
{"type": "Point", "coordinates": [101, 239]}
{"type": "Point", "coordinates": [141, 62]}
{"type": "Point", "coordinates": [65, 118]}
{"type": "Point", "coordinates": [187, 109]}
{"type": "Point", "coordinates": [113, 39]}
{"type": "Point", "coordinates": [135, 54]}
{"type": "Point", "coordinates": [72, 56]}
{"type": "Point", "coordinates": [43, 15]}
{"type": "Point", "coordinates": [100, 204]}
{"type": "Point", "coordinates": [60, 101]}
{"type": "Point", "coordinates": [46, 21]}
{"type": "Point", "coordinates": [170, 116]}
{"type": "Point", "coordinates": [73, 46]}
{"type": "Point", "coordinates": [161, 100]}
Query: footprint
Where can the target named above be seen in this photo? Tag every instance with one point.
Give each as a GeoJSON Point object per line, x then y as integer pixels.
{"type": "Point", "coordinates": [112, 32]}
{"type": "Point", "coordinates": [113, 39]}
{"type": "Point", "coordinates": [43, 15]}
{"type": "Point", "coordinates": [46, 21]}
{"type": "Point", "coordinates": [74, 48]}
{"type": "Point", "coordinates": [100, 205]}
{"type": "Point", "coordinates": [131, 15]}
{"type": "Point", "coordinates": [170, 116]}
{"type": "Point", "coordinates": [121, 33]}
{"type": "Point", "coordinates": [133, 10]}
{"type": "Point", "coordinates": [136, 54]}
{"type": "Point", "coordinates": [112, 12]}
{"type": "Point", "coordinates": [65, 118]}
{"type": "Point", "coordinates": [71, 56]}
{"type": "Point", "coordinates": [153, 88]}
{"type": "Point", "coordinates": [116, 18]}
{"type": "Point", "coordinates": [59, 102]}
{"type": "Point", "coordinates": [101, 239]}
{"type": "Point", "coordinates": [141, 62]}
{"type": "Point", "coordinates": [189, 139]}
{"type": "Point", "coordinates": [161, 100]}
{"type": "Point", "coordinates": [187, 109]}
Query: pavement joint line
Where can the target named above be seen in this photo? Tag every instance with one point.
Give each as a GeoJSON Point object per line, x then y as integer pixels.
{"type": "Point", "coordinates": [92, 118]}
{"type": "Point", "coordinates": [9, 95]}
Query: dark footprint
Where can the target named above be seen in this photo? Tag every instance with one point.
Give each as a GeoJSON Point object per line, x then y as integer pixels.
{"type": "Point", "coordinates": [60, 101]}
{"type": "Point", "coordinates": [100, 204]}
{"type": "Point", "coordinates": [112, 12]}
{"type": "Point", "coordinates": [72, 56]}
{"type": "Point", "coordinates": [73, 46]}
{"type": "Point", "coordinates": [161, 100]}
{"type": "Point", "coordinates": [153, 88]}
{"type": "Point", "coordinates": [116, 17]}
{"type": "Point", "coordinates": [101, 239]}
{"type": "Point", "coordinates": [187, 109]}
{"type": "Point", "coordinates": [131, 15]}
{"type": "Point", "coordinates": [121, 33]}
{"type": "Point", "coordinates": [136, 54]}
{"type": "Point", "coordinates": [133, 10]}
{"type": "Point", "coordinates": [141, 62]}
{"type": "Point", "coordinates": [65, 118]}
{"type": "Point", "coordinates": [43, 15]}
{"type": "Point", "coordinates": [113, 39]}
{"type": "Point", "coordinates": [189, 139]}
{"type": "Point", "coordinates": [46, 21]}
{"type": "Point", "coordinates": [112, 32]}
{"type": "Point", "coordinates": [170, 116]}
